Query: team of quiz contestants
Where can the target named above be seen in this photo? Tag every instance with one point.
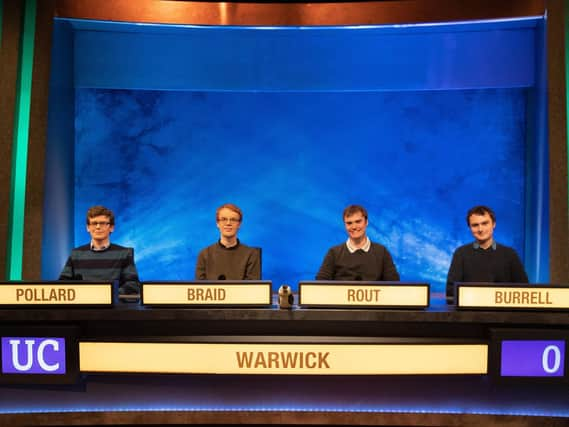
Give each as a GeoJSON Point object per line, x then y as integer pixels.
{"type": "Point", "coordinates": [483, 260]}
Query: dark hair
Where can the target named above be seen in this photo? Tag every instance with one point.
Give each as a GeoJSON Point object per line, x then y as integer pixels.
{"type": "Point", "coordinates": [98, 211]}
{"type": "Point", "coordinates": [231, 207]}
{"type": "Point", "coordinates": [480, 210]}
{"type": "Point", "coordinates": [353, 209]}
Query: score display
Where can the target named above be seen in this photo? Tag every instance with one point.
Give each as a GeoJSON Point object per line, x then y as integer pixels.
{"type": "Point", "coordinates": [521, 358]}
{"type": "Point", "coordinates": [529, 354]}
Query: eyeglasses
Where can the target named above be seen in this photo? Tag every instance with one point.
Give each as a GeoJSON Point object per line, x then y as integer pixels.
{"type": "Point", "coordinates": [229, 220]}
{"type": "Point", "coordinates": [99, 223]}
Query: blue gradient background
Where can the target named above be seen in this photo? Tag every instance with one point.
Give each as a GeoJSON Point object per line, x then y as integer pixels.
{"type": "Point", "coordinates": [164, 160]}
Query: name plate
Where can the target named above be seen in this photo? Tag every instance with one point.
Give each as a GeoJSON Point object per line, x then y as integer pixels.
{"type": "Point", "coordinates": [284, 359]}
{"type": "Point", "coordinates": [59, 293]}
{"type": "Point", "coordinates": [486, 295]}
{"type": "Point", "coordinates": [357, 294]}
{"type": "Point", "coordinates": [208, 293]}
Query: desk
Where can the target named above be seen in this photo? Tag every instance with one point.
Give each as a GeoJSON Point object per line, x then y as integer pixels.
{"type": "Point", "coordinates": [295, 399]}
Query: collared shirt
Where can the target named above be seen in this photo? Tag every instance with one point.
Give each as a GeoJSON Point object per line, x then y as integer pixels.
{"type": "Point", "coordinates": [365, 247]}
{"type": "Point", "coordinates": [476, 245]}
{"type": "Point", "coordinates": [228, 247]}
{"type": "Point", "coordinates": [101, 249]}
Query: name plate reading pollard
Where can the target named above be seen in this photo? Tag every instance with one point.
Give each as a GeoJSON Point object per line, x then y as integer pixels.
{"type": "Point", "coordinates": [471, 295]}
{"type": "Point", "coordinates": [61, 293]}
{"type": "Point", "coordinates": [284, 359]}
{"type": "Point", "coordinates": [208, 293]}
{"type": "Point", "coordinates": [363, 294]}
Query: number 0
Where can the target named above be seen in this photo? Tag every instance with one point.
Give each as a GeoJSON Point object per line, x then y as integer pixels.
{"type": "Point", "coordinates": [556, 359]}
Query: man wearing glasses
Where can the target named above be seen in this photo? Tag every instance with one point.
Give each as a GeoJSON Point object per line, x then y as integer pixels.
{"type": "Point", "coordinates": [228, 259]}
{"type": "Point", "coordinates": [101, 260]}
{"type": "Point", "coordinates": [358, 258]}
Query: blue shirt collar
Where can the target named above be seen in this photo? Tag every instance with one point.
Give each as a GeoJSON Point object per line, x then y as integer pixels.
{"type": "Point", "coordinates": [476, 245]}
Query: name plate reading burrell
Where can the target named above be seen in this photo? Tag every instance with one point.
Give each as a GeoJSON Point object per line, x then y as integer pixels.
{"type": "Point", "coordinates": [485, 295]}
{"type": "Point", "coordinates": [364, 294]}
{"type": "Point", "coordinates": [208, 293]}
{"type": "Point", "coordinates": [61, 293]}
{"type": "Point", "coordinates": [284, 359]}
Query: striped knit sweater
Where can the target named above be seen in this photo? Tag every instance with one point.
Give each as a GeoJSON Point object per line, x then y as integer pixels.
{"type": "Point", "coordinates": [114, 263]}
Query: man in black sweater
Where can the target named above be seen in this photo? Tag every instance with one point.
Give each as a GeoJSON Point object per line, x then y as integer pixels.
{"type": "Point", "coordinates": [358, 258]}
{"type": "Point", "coordinates": [228, 259]}
{"type": "Point", "coordinates": [101, 260]}
{"type": "Point", "coordinates": [484, 260]}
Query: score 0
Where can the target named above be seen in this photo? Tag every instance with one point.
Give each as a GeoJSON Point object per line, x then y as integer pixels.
{"type": "Point", "coordinates": [532, 358]}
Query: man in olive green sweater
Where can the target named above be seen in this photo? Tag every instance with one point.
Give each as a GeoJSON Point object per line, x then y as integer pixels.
{"type": "Point", "coordinates": [228, 259]}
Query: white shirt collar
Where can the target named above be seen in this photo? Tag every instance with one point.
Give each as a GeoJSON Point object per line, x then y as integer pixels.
{"type": "Point", "coordinates": [364, 248]}
{"type": "Point", "coordinates": [104, 248]}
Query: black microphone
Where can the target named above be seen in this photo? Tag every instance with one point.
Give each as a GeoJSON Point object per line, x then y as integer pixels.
{"type": "Point", "coordinates": [221, 277]}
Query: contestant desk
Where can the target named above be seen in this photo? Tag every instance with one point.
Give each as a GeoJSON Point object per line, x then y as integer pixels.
{"type": "Point", "coordinates": [105, 398]}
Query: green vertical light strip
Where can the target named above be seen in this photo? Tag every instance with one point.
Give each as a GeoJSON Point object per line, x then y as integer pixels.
{"type": "Point", "coordinates": [20, 145]}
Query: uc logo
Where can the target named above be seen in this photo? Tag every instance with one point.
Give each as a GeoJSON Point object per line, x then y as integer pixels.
{"type": "Point", "coordinates": [33, 355]}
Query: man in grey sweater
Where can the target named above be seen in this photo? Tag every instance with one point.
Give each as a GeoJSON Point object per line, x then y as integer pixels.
{"type": "Point", "coordinates": [358, 258]}
{"type": "Point", "coordinates": [228, 259]}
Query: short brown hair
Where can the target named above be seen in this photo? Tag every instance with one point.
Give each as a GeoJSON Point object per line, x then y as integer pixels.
{"type": "Point", "coordinates": [353, 209]}
{"type": "Point", "coordinates": [231, 207]}
{"type": "Point", "coordinates": [98, 211]}
{"type": "Point", "coordinates": [480, 210]}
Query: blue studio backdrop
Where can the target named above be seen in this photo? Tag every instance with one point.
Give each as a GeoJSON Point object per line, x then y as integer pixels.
{"type": "Point", "coordinates": [292, 125]}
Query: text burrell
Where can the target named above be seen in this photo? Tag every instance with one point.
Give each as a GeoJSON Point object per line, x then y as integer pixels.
{"type": "Point", "coordinates": [522, 297]}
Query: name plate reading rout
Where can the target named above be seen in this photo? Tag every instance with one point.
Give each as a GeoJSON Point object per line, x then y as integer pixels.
{"type": "Point", "coordinates": [224, 293]}
{"type": "Point", "coordinates": [284, 359]}
{"type": "Point", "coordinates": [56, 294]}
{"type": "Point", "coordinates": [358, 294]}
{"type": "Point", "coordinates": [484, 296]}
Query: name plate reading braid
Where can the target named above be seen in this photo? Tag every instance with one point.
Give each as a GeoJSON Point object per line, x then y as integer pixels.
{"type": "Point", "coordinates": [354, 294]}
{"type": "Point", "coordinates": [226, 293]}
{"type": "Point", "coordinates": [527, 297]}
{"type": "Point", "coordinates": [32, 294]}
{"type": "Point", "coordinates": [284, 359]}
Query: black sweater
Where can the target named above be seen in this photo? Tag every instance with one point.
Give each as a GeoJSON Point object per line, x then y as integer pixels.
{"type": "Point", "coordinates": [374, 265]}
{"type": "Point", "coordinates": [471, 264]}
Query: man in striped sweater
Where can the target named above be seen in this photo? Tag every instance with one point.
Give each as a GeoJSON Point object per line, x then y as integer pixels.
{"type": "Point", "coordinates": [101, 260]}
